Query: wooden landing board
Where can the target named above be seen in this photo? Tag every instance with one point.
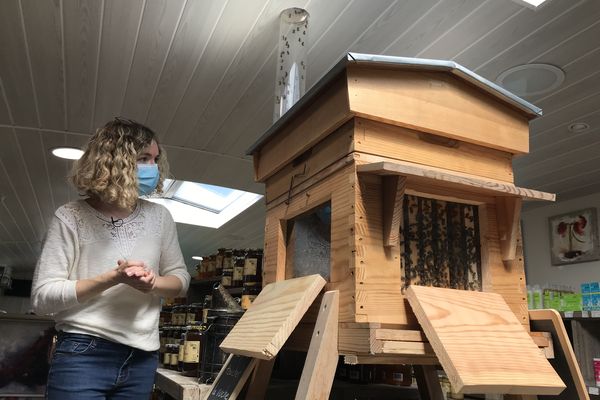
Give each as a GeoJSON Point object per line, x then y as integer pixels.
{"type": "Point", "coordinates": [264, 328]}
{"type": "Point", "coordinates": [480, 343]}
{"type": "Point", "coordinates": [451, 179]}
{"type": "Point", "coordinates": [564, 360]}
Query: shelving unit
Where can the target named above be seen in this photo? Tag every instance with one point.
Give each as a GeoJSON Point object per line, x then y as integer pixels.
{"type": "Point", "coordinates": [584, 330]}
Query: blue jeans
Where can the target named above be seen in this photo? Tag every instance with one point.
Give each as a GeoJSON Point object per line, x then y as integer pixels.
{"type": "Point", "coordinates": [86, 367]}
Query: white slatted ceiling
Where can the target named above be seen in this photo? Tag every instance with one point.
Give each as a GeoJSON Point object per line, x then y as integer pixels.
{"type": "Point", "coordinates": [201, 73]}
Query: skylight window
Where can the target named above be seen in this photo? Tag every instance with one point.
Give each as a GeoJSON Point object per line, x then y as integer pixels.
{"type": "Point", "coordinates": [202, 204]}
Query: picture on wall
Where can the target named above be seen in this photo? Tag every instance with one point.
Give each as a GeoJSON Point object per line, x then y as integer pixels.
{"type": "Point", "coordinates": [574, 237]}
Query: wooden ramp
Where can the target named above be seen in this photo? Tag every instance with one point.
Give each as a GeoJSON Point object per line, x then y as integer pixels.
{"type": "Point", "coordinates": [264, 328]}
{"type": "Point", "coordinates": [480, 343]}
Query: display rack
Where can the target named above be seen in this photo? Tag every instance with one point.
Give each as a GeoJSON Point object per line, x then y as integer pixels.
{"type": "Point", "coordinates": [585, 335]}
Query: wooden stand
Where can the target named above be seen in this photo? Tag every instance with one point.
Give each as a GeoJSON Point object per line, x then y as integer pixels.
{"type": "Point", "coordinates": [355, 174]}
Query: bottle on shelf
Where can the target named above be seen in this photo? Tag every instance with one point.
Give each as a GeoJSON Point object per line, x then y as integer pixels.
{"type": "Point", "coordinates": [238, 269]}
{"type": "Point", "coordinates": [252, 277]}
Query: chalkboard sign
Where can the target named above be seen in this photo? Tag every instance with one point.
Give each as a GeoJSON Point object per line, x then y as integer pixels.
{"type": "Point", "coordinates": [232, 377]}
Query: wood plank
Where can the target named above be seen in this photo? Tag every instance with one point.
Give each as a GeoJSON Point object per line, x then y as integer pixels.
{"type": "Point", "coordinates": [16, 78]}
{"type": "Point", "coordinates": [399, 97]}
{"type": "Point", "coordinates": [157, 31]}
{"type": "Point", "coordinates": [195, 29]}
{"type": "Point", "coordinates": [254, 53]}
{"type": "Point", "coordinates": [354, 359]}
{"type": "Point", "coordinates": [405, 348]}
{"type": "Point", "coordinates": [476, 26]}
{"type": "Point", "coordinates": [330, 36]}
{"type": "Point", "coordinates": [218, 57]}
{"type": "Point", "coordinates": [481, 344]}
{"type": "Point", "coordinates": [438, 176]}
{"type": "Point", "coordinates": [180, 387]}
{"type": "Point", "coordinates": [379, 295]}
{"type": "Point", "coordinates": [554, 33]}
{"type": "Point", "coordinates": [82, 19]}
{"type": "Point", "coordinates": [393, 194]}
{"type": "Point", "coordinates": [504, 278]}
{"type": "Point", "coordinates": [264, 328]}
{"type": "Point", "coordinates": [509, 216]}
{"type": "Point", "coordinates": [325, 153]}
{"type": "Point", "coordinates": [44, 36]}
{"type": "Point", "coordinates": [354, 341]}
{"type": "Point", "coordinates": [400, 335]}
{"type": "Point", "coordinates": [404, 144]}
{"type": "Point", "coordinates": [321, 361]}
{"type": "Point", "coordinates": [259, 381]}
{"type": "Point", "coordinates": [119, 35]}
{"type": "Point", "coordinates": [428, 383]}
{"type": "Point", "coordinates": [586, 346]}
{"type": "Point", "coordinates": [324, 115]}
{"type": "Point", "coordinates": [565, 361]}
{"type": "Point", "coordinates": [339, 189]}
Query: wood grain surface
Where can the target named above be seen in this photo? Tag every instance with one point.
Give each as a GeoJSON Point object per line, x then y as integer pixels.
{"type": "Point", "coordinates": [481, 344]}
{"type": "Point", "coordinates": [266, 325]}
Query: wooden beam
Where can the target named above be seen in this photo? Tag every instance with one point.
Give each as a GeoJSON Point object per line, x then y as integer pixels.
{"type": "Point", "coordinates": [393, 193]}
{"type": "Point", "coordinates": [321, 360]}
{"type": "Point", "coordinates": [400, 335]}
{"type": "Point", "coordinates": [428, 382]}
{"type": "Point", "coordinates": [565, 362]}
{"type": "Point", "coordinates": [451, 179]}
{"type": "Point", "coordinates": [354, 359]}
{"type": "Point", "coordinates": [508, 210]}
{"type": "Point", "coordinates": [259, 381]}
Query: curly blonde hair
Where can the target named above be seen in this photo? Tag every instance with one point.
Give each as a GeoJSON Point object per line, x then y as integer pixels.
{"type": "Point", "coordinates": [108, 168]}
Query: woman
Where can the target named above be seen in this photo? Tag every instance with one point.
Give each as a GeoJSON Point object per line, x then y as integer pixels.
{"type": "Point", "coordinates": [105, 263]}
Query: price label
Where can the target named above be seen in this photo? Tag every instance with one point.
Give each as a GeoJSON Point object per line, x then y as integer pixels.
{"type": "Point", "coordinates": [596, 314]}
{"type": "Point", "coordinates": [568, 314]}
{"type": "Point", "coordinates": [594, 390]}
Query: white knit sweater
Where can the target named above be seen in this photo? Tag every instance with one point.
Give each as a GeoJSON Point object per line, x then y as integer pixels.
{"type": "Point", "coordinates": [82, 243]}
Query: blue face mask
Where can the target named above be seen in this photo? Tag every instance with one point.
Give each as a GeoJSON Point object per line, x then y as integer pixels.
{"type": "Point", "coordinates": [148, 175]}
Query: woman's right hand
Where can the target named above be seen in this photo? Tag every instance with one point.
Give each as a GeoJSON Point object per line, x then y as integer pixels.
{"type": "Point", "coordinates": [134, 274]}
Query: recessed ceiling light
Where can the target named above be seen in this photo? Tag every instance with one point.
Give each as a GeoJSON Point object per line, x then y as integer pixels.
{"type": "Point", "coordinates": [577, 127]}
{"type": "Point", "coordinates": [533, 4]}
{"type": "Point", "coordinates": [531, 79]}
{"type": "Point", "coordinates": [197, 258]}
{"type": "Point", "coordinates": [70, 153]}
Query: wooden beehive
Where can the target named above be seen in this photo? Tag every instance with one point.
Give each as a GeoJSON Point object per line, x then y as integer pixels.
{"type": "Point", "coordinates": [375, 128]}
{"type": "Point", "coordinates": [393, 172]}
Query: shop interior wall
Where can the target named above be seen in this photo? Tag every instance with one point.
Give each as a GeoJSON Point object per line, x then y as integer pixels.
{"type": "Point", "coordinates": [536, 241]}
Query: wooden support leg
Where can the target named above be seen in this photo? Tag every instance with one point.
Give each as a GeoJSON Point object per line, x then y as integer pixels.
{"type": "Point", "coordinates": [321, 360]}
{"type": "Point", "coordinates": [428, 382]}
{"type": "Point", "coordinates": [259, 381]}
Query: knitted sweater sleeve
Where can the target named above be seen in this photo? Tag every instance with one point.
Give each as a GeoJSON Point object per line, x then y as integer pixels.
{"type": "Point", "coordinates": [171, 259]}
{"type": "Point", "coordinates": [52, 290]}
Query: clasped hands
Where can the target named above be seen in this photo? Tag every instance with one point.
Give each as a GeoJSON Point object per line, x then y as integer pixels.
{"type": "Point", "coordinates": [136, 274]}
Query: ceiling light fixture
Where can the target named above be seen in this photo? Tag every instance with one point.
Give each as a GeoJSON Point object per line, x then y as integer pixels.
{"type": "Point", "coordinates": [577, 127]}
{"type": "Point", "coordinates": [197, 258]}
{"type": "Point", "coordinates": [69, 153]}
{"type": "Point", "coordinates": [533, 4]}
{"type": "Point", "coordinates": [531, 79]}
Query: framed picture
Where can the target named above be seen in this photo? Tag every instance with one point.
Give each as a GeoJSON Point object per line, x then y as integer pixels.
{"type": "Point", "coordinates": [574, 237]}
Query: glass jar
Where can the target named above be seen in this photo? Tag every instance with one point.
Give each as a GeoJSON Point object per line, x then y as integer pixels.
{"type": "Point", "coordinates": [219, 262]}
{"type": "Point", "coordinates": [171, 356]}
{"type": "Point", "coordinates": [226, 279]}
{"type": "Point", "coordinates": [192, 350]}
{"type": "Point", "coordinates": [238, 270]}
{"type": "Point", "coordinates": [249, 293]}
{"type": "Point", "coordinates": [253, 266]}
